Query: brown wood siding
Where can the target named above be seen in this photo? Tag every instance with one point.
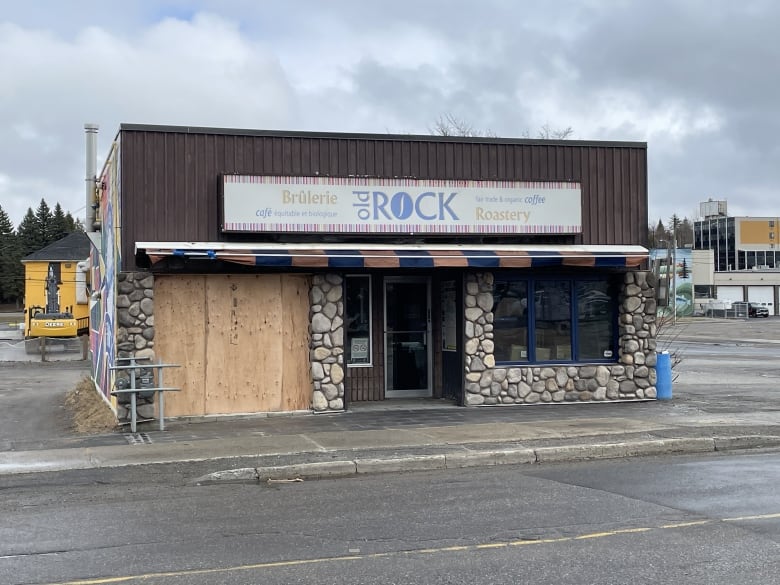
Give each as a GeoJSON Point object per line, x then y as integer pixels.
{"type": "Point", "coordinates": [169, 189]}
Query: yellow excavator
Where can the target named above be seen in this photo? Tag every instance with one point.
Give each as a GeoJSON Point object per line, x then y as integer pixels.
{"type": "Point", "coordinates": [49, 321]}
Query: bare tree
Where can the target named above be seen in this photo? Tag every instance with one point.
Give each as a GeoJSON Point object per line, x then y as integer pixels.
{"type": "Point", "coordinates": [450, 125]}
{"type": "Point", "coordinates": [548, 133]}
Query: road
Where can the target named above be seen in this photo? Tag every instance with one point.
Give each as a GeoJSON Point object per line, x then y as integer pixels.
{"type": "Point", "coordinates": [692, 520]}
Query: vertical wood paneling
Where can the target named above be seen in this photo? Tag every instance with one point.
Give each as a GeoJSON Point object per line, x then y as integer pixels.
{"type": "Point", "coordinates": [296, 158]}
{"type": "Point", "coordinates": [170, 179]}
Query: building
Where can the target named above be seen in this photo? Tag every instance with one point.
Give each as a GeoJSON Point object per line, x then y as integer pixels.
{"type": "Point", "coordinates": [293, 270]}
{"type": "Point", "coordinates": [56, 280]}
{"type": "Point", "coordinates": [746, 257]}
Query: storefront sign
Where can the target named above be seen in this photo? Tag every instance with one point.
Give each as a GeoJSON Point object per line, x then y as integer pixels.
{"type": "Point", "coordinates": [356, 205]}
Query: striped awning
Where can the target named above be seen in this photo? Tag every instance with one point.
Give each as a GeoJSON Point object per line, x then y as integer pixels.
{"type": "Point", "coordinates": [351, 256]}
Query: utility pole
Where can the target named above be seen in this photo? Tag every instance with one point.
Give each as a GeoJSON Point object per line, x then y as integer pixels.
{"type": "Point", "coordinates": [675, 222]}
{"type": "Point", "coordinates": [674, 279]}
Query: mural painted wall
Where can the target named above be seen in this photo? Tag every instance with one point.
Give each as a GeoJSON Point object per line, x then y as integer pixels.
{"type": "Point", "coordinates": [683, 281]}
{"type": "Point", "coordinates": [103, 312]}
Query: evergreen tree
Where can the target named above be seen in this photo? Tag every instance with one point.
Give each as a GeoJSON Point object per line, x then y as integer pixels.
{"type": "Point", "coordinates": [71, 223]}
{"type": "Point", "coordinates": [674, 224]}
{"type": "Point", "coordinates": [44, 220]}
{"type": "Point", "coordinates": [9, 259]}
{"type": "Point", "coordinates": [684, 270]}
{"type": "Point", "coordinates": [30, 239]}
{"type": "Point", "coordinates": [657, 235]}
{"type": "Point", "coordinates": [6, 227]}
{"type": "Point", "coordinates": [685, 233]}
{"type": "Point", "coordinates": [37, 230]}
{"type": "Point", "coordinates": [59, 224]}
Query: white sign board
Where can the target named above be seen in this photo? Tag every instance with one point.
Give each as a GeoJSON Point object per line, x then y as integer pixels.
{"type": "Point", "coordinates": [359, 348]}
{"type": "Point", "coordinates": [409, 206]}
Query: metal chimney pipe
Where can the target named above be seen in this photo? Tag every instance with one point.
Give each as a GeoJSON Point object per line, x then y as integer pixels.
{"type": "Point", "coordinates": [91, 131]}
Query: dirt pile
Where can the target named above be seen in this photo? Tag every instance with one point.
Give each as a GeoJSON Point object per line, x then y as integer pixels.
{"type": "Point", "coordinates": [88, 411]}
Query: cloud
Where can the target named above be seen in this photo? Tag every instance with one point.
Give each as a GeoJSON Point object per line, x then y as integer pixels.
{"type": "Point", "coordinates": [693, 79]}
{"type": "Point", "coordinates": [203, 72]}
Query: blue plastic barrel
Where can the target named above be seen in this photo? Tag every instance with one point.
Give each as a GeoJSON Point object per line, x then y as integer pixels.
{"type": "Point", "coordinates": [663, 386]}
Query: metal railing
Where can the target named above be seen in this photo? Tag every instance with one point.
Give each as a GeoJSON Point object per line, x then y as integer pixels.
{"type": "Point", "coordinates": [134, 369]}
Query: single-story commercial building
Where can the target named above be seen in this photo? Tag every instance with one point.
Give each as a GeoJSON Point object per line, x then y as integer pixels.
{"type": "Point", "coordinates": [297, 270]}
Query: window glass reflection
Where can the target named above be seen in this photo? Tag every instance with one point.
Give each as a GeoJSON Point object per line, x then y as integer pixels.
{"type": "Point", "coordinates": [552, 309]}
{"type": "Point", "coordinates": [595, 317]}
{"type": "Point", "coordinates": [510, 320]}
{"type": "Point", "coordinates": [358, 323]}
{"type": "Point", "coordinates": [544, 330]}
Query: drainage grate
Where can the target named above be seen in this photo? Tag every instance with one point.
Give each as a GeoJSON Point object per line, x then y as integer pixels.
{"type": "Point", "coordinates": [138, 438]}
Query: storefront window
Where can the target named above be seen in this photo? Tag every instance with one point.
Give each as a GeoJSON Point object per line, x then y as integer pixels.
{"type": "Point", "coordinates": [358, 320]}
{"type": "Point", "coordinates": [552, 308]}
{"type": "Point", "coordinates": [549, 329]}
{"type": "Point", "coordinates": [595, 320]}
{"type": "Point", "coordinates": [510, 321]}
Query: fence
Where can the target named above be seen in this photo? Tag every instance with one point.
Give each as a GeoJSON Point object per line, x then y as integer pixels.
{"type": "Point", "coordinates": [725, 311]}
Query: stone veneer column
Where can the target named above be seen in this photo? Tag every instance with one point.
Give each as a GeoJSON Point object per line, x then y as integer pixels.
{"type": "Point", "coordinates": [135, 330]}
{"type": "Point", "coordinates": [327, 342]}
{"type": "Point", "coordinates": [633, 377]}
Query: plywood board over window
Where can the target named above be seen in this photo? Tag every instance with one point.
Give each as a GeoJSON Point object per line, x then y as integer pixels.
{"type": "Point", "coordinates": [242, 341]}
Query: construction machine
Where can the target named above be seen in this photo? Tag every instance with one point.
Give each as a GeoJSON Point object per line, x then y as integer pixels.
{"type": "Point", "coordinates": [50, 321]}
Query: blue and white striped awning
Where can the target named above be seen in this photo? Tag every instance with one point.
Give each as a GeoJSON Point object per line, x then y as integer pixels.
{"type": "Point", "coordinates": [351, 256]}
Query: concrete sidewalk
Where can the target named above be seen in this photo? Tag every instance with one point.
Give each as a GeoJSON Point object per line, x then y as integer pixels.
{"type": "Point", "coordinates": [723, 401]}
{"type": "Point", "coordinates": [406, 437]}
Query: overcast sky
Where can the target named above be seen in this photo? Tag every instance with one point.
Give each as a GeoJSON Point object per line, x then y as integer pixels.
{"type": "Point", "coordinates": [699, 81]}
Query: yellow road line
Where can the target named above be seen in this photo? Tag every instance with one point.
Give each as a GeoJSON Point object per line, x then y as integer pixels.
{"type": "Point", "coordinates": [686, 524]}
{"type": "Point", "coordinates": [423, 551]}
{"type": "Point", "coordinates": [759, 517]}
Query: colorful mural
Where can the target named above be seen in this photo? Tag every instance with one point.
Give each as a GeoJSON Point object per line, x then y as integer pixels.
{"type": "Point", "coordinates": [103, 309]}
{"type": "Point", "coordinates": [683, 281]}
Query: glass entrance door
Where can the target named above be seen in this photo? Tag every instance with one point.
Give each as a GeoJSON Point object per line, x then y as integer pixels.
{"type": "Point", "coordinates": [407, 332]}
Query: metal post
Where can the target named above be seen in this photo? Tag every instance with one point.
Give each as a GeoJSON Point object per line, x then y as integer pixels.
{"type": "Point", "coordinates": [133, 416]}
{"type": "Point", "coordinates": [674, 278]}
{"type": "Point", "coordinates": [91, 131]}
{"type": "Point", "coordinates": [161, 398]}
{"type": "Point", "coordinates": [132, 412]}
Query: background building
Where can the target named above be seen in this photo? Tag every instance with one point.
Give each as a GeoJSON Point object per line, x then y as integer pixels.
{"type": "Point", "coordinates": [57, 288]}
{"type": "Point", "coordinates": [746, 259]}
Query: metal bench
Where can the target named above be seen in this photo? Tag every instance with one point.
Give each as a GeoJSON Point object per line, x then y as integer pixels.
{"type": "Point", "coordinates": [133, 366]}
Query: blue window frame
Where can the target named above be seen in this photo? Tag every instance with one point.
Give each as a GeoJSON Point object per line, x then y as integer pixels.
{"type": "Point", "coordinates": [570, 319]}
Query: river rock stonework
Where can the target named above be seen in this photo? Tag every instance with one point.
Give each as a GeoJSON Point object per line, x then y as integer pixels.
{"type": "Point", "coordinates": [327, 342]}
{"type": "Point", "coordinates": [135, 332]}
{"type": "Point", "coordinates": [632, 378]}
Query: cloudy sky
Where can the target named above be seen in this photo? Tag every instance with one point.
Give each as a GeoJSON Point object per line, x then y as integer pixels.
{"type": "Point", "coordinates": [699, 81]}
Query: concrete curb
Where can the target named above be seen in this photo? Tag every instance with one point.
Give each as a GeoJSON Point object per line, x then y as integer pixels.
{"type": "Point", "coordinates": [490, 457]}
{"type": "Point", "coordinates": [627, 449]}
{"type": "Point", "coordinates": [399, 464]}
{"type": "Point", "coordinates": [746, 442]}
